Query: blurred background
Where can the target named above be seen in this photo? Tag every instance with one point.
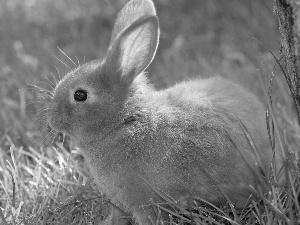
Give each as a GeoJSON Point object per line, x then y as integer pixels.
{"type": "Point", "coordinates": [198, 38]}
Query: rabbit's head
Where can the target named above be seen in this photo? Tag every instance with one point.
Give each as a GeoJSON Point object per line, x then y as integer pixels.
{"type": "Point", "coordinates": [92, 95]}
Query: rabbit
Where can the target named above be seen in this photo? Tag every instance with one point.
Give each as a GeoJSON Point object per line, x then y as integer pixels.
{"type": "Point", "coordinates": [203, 138]}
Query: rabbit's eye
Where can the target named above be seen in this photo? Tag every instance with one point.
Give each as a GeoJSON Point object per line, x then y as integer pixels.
{"type": "Point", "coordinates": [80, 95]}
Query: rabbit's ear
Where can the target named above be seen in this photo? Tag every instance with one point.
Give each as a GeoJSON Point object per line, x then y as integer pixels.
{"type": "Point", "coordinates": [133, 49]}
{"type": "Point", "coordinates": [131, 12]}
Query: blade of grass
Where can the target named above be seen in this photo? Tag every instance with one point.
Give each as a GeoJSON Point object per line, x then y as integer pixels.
{"type": "Point", "coordinates": [285, 75]}
{"type": "Point", "coordinates": [2, 218]}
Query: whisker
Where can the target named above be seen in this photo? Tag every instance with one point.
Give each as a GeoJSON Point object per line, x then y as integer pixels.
{"type": "Point", "coordinates": [46, 96]}
{"type": "Point", "coordinates": [43, 140]}
{"type": "Point", "coordinates": [66, 56]}
{"type": "Point", "coordinates": [37, 90]}
{"type": "Point", "coordinates": [44, 83]}
{"type": "Point", "coordinates": [77, 60]}
{"type": "Point", "coordinates": [54, 78]}
{"type": "Point", "coordinates": [51, 82]}
{"type": "Point", "coordinates": [41, 89]}
{"type": "Point", "coordinates": [62, 62]}
{"type": "Point", "coordinates": [41, 100]}
{"type": "Point", "coordinates": [34, 102]}
{"type": "Point", "coordinates": [49, 137]}
{"type": "Point", "coordinates": [84, 59]}
{"type": "Point", "coordinates": [38, 87]}
{"type": "Point", "coordinates": [58, 72]}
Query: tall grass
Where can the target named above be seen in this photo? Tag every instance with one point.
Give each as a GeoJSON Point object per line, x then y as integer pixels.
{"type": "Point", "coordinates": [51, 184]}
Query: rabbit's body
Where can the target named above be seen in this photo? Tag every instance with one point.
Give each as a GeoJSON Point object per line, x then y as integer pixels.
{"type": "Point", "coordinates": [190, 140]}
{"type": "Point", "coordinates": [174, 130]}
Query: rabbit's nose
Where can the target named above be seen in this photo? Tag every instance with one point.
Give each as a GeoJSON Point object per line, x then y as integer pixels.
{"type": "Point", "coordinates": [55, 114]}
{"type": "Point", "coordinates": [58, 116]}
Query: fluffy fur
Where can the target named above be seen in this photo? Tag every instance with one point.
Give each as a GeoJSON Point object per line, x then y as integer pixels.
{"type": "Point", "coordinates": [188, 140]}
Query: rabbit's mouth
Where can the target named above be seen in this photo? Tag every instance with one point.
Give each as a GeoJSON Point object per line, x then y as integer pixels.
{"type": "Point", "coordinates": [59, 126]}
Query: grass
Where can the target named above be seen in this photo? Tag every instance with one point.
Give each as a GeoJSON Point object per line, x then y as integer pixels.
{"type": "Point", "coordinates": [51, 184]}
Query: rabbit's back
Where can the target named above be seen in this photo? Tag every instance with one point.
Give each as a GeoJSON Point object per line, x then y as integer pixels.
{"type": "Point", "coordinates": [215, 97]}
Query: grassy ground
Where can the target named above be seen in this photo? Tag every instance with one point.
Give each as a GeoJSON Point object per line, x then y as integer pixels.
{"type": "Point", "coordinates": [50, 184]}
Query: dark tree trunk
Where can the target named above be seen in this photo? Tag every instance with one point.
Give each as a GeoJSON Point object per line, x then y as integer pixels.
{"type": "Point", "coordinates": [288, 12]}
